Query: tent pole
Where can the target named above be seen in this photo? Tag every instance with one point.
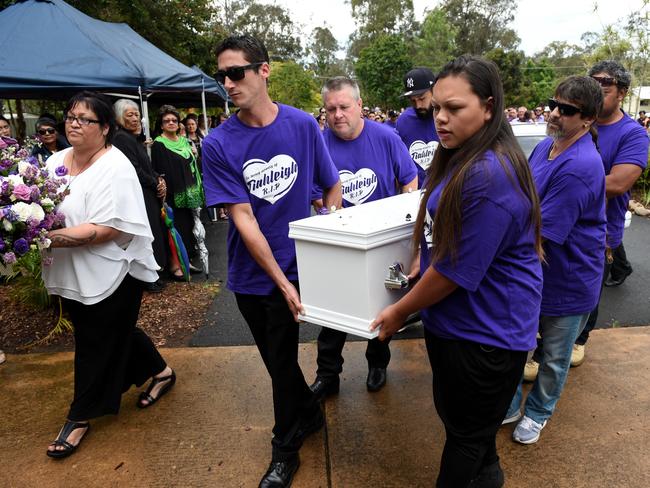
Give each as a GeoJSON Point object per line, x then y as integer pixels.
{"type": "Point", "coordinates": [145, 120]}
{"type": "Point", "coordinates": [205, 111]}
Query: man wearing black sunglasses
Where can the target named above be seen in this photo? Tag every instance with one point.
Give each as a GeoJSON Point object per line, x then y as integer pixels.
{"type": "Point", "coordinates": [51, 141]}
{"type": "Point", "coordinates": [623, 146]}
{"type": "Point", "coordinates": [262, 164]}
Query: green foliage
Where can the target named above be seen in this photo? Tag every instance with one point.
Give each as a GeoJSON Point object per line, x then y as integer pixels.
{"type": "Point", "coordinates": [290, 83]}
{"type": "Point", "coordinates": [435, 43]}
{"type": "Point", "coordinates": [380, 69]}
{"type": "Point", "coordinates": [27, 284]}
{"type": "Point", "coordinates": [375, 18]}
{"type": "Point", "coordinates": [482, 25]}
{"type": "Point", "coordinates": [273, 25]}
{"type": "Point", "coordinates": [322, 49]}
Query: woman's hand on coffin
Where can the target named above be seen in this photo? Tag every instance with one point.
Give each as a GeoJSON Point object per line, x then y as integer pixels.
{"type": "Point", "coordinates": [390, 320]}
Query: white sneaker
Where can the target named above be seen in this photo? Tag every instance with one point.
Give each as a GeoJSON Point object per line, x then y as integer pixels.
{"type": "Point", "coordinates": [3, 358]}
{"type": "Point", "coordinates": [530, 370]}
{"type": "Point", "coordinates": [527, 431]}
{"type": "Point", "coordinates": [577, 355]}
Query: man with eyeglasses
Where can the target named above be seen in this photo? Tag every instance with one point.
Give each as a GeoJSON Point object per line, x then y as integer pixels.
{"type": "Point", "coordinates": [415, 126]}
{"type": "Point", "coordinates": [262, 164]}
{"type": "Point", "coordinates": [373, 164]}
{"type": "Point", "coordinates": [623, 146]}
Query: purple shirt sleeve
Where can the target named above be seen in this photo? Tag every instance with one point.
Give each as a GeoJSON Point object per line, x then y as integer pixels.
{"type": "Point", "coordinates": [325, 173]}
{"type": "Point", "coordinates": [564, 202]}
{"type": "Point", "coordinates": [485, 224]}
{"type": "Point", "coordinates": [220, 182]}
{"type": "Point", "coordinates": [403, 165]}
{"type": "Point", "coordinates": [633, 149]}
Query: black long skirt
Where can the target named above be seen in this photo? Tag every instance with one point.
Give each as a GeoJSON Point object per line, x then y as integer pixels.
{"type": "Point", "coordinates": [111, 353]}
{"type": "Point", "coordinates": [158, 229]}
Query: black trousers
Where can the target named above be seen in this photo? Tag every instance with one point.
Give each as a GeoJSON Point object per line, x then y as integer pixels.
{"type": "Point", "coordinates": [276, 336]}
{"type": "Point", "coordinates": [593, 316]}
{"type": "Point", "coordinates": [330, 353]}
{"type": "Point", "coordinates": [473, 385]}
{"type": "Point", "coordinates": [111, 353]}
{"type": "Point", "coordinates": [621, 267]}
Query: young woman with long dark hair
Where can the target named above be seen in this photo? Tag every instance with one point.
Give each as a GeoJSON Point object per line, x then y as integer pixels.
{"type": "Point", "coordinates": [480, 277]}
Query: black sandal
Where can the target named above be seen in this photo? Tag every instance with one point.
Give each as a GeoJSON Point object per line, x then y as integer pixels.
{"type": "Point", "coordinates": [146, 395]}
{"type": "Point", "coordinates": [61, 440]}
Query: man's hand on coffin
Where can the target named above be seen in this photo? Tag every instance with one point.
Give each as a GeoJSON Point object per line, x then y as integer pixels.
{"type": "Point", "coordinates": [293, 300]}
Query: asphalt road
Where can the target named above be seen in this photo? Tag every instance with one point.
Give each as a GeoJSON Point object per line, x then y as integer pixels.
{"type": "Point", "coordinates": [623, 306]}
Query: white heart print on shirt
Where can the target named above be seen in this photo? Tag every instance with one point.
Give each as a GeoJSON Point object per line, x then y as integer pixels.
{"type": "Point", "coordinates": [270, 180]}
{"type": "Point", "coordinates": [357, 187]}
{"type": "Point", "coordinates": [422, 153]}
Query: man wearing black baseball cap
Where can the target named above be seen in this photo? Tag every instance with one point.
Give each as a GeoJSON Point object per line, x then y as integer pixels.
{"type": "Point", "coordinates": [415, 126]}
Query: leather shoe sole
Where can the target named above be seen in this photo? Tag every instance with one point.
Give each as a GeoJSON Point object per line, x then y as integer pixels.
{"type": "Point", "coordinates": [376, 379]}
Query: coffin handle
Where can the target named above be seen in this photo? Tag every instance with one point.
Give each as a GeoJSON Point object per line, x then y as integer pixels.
{"type": "Point", "coordinates": [395, 278]}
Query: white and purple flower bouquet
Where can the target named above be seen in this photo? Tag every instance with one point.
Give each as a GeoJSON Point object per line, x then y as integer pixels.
{"type": "Point", "coordinates": [28, 199]}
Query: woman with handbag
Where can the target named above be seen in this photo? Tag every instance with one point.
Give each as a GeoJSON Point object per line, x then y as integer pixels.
{"type": "Point", "coordinates": [172, 157]}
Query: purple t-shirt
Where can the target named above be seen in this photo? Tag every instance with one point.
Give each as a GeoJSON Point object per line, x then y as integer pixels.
{"type": "Point", "coordinates": [370, 166]}
{"type": "Point", "coordinates": [624, 142]}
{"type": "Point", "coordinates": [420, 138]}
{"type": "Point", "coordinates": [571, 190]}
{"type": "Point", "coordinates": [273, 168]}
{"type": "Point", "coordinates": [497, 270]}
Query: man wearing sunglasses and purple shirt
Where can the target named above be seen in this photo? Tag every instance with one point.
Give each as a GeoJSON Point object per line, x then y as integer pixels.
{"type": "Point", "coordinates": [623, 145]}
{"type": "Point", "coordinates": [262, 164]}
{"type": "Point", "coordinates": [415, 126]}
{"type": "Point", "coordinates": [570, 181]}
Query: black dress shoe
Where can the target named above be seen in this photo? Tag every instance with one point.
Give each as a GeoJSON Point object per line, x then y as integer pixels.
{"type": "Point", "coordinates": [489, 477]}
{"type": "Point", "coordinates": [616, 281]}
{"type": "Point", "coordinates": [324, 387]}
{"type": "Point", "coordinates": [280, 473]}
{"type": "Point", "coordinates": [376, 379]}
{"type": "Point", "coordinates": [155, 287]}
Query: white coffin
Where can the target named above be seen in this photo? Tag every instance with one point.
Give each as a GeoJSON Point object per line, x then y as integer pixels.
{"type": "Point", "coordinates": [343, 259]}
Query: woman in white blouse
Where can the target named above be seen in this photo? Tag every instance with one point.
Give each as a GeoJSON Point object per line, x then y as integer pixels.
{"type": "Point", "coordinates": [100, 261]}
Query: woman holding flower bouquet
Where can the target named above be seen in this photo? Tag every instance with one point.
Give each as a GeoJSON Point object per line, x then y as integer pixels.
{"type": "Point", "coordinates": [99, 261]}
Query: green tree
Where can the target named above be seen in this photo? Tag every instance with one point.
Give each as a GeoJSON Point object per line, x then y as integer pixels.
{"type": "Point", "coordinates": [510, 65]}
{"type": "Point", "coordinates": [273, 25]}
{"type": "Point", "coordinates": [435, 43]}
{"type": "Point", "coordinates": [322, 50]}
{"type": "Point", "coordinates": [292, 84]}
{"type": "Point", "coordinates": [482, 25]}
{"type": "Point", "coordinates": [375, 18]}
{"type": "Point", "coordinates": [380, 69]}
{"type": "Point", "coordinates": [538, 85]}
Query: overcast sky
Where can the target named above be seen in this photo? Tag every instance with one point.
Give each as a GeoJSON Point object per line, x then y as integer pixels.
{"type": "Point", "coordinates": [537, 22]}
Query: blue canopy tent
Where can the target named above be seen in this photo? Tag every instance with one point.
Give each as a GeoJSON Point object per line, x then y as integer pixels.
{"type": "Point", "coordinates": [77, 52]}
